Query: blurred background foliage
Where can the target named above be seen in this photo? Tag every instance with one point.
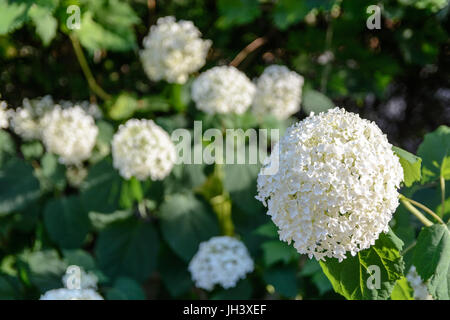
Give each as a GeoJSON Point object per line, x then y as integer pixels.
{"type": "Point", "coordinates": [397, 76]}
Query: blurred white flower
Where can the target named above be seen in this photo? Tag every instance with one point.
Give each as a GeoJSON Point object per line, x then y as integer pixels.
{"type": "Point", "coordinates": [91, 109]}
{"type": "Point", "coordinates": [142, 149]}
{"type": "Point", "coordinates": [325, 57]}
{"type": "Point", "coordinates": [220, 260]}
{"type": "Point", "coordinates": [4, 123]}
{"type": "Point", "coordinates": [222, 90]}
{"type": "Point", "coordinates": [336, 187]}
{"type": "Point", "coordinates": [419, 287]}
{"type": "Point", "coordinates": [71, 294]}
{"type": "Point", "coordinates": [69, 133]}
{"type": "Point", "coordinates": [173, 50]}
{"type": "Point", "coordinates": [278, 92]}
{"type": "Point", "coordinates": [25, 120]}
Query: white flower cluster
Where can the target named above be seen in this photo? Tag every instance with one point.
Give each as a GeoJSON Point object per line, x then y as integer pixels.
{"type": "Point", "coordinates": [419, 287]}
{"type": "Point", "coordinates": [220, 260]}
{"type": "Point", "coordinates": [223, 90]}
{"type": "Point", "coordinates": [336, 187]}
{"type": "Point", "coordinates": [25, 121]}
{"type": "Point", "coordinates": [278, 92]}
{"type": "Point", "coordinates": [4, 123]}
{"type": "Point", "coordinates": [88, 285]}
{"type": "Point", "coordinates": [71, 294]}
{"type": "Point", "coordinates": [142, 149]}
{"type": "Point", "coordinates": [173, 50]}
{"type": "Point", "coordinates": [69, 133]}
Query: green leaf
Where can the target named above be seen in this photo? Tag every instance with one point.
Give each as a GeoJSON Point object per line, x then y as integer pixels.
{"type": "Point", "coordinates": [108, 25]}
{"type": "Point", "coordinates": [52, 173]}
{"type": "Point", "coordinates": [288, 12]}
{"type": "Point", "coordinates": [10, 288]}
{"type": "Point", "coordinates": [7, 147]}
{"type": "Point", "coordinates": [66, 222]}
{"type": "Point", "coordinates": [240, 182]}
{"type": "Point", "coordinates": [128, 248]}
{"type": "Point", "coordinates": [411, 165]}
{"type": "Point", "coordinates": [350, 277]}
{"type": "Point", "coordinates": [174, 273]}
{"type": "Point", "coordinates": [432, 259]}
{"type": "Point", "coordinates": [242, 291]}
{"type": "Point", "coordinates": [237, 12]}
{"type": "Point", "coordinates": [44, 269]}
{"type": "Point", "coordinates": [435, 154]}
{"type": "Point", "coordinates": [275, 251]}
{"type": "Point", "coordinates": [13, 14]}
{"type": "Point", "coordinates": [46, 24]}
{"type": "Point", "coordinates": [100, 192]}
{"type": "Point", "coordinates": [283, 279]}
{"type": "Point", "coordinates": [32, 150]}
{"type": "Point", "coordinates": [185, 222]}
{"type": "Point", "coordinates": [123, 107]}
{"type": "Point", "coordinates": [79, 258]}
{"type": "Point", "coordinates": [402, 290]}
{"type": "Point", "coordinates": [314, 101]}
{"type": "Point", "coordinates": [16, 193]}
{"type": "Point", "coordinates": [125, 289]}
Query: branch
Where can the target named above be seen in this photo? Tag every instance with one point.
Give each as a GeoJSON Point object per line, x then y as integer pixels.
{"type": "Point", "coordinates": [252, 46]}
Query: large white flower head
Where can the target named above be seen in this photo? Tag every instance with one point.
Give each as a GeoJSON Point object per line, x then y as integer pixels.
{"type": "Point", "coordinates": [220, 260]}
{"type": "Point", "coordinates": [25, 120]}
{"type": "Point", "coordinates": [173, 50]}
{"type": "Point", "coordinates": [71, 294]}
{"type": "Point", "coordinates": [142, 149]}
{"type": "Point", "coordinates": [4, 123]}
{"type": "Point", "coordinates": [419, 287]}
{"type": "Point", "coordinates": [69, 133]}
{"type": "Point", "coordinates": [278, 92]}
{"type": "Point", "coordinates": [222, 90]}
{"type": "Point", "coordinates": [336, 187]}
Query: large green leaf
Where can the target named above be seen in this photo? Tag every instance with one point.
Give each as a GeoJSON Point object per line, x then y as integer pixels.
{"type": "Point", "coordinates": [18, 186]}
{"type": "Point", "coordinates": [125, 289]}
{"type": "Point", "coordinates": [283, 279]}
{"type": "Point", "coordinates": [128, 248]}
{"type": "Point", "coordinates": [13, 14]}
{"type": "Point", "coordinates": [314, 101]}
{"type": "Point", "coordinates": [7, 147]}
{"type": "Point", "coordinates": [185, 222]}
{"type": "Point", "coordinates": [101, 190]}
{"type": "Point", "coordinates": [46, 24]}
{"type": "Point", "coordinates": [174, 273]}
{"type": "Point", "coordinates": [66, 221]}
{"type": "Point", "coordinates": [435, 154]}
{"type": "Point", "coordinates": [237, 12]}
{"type": "Point", "coordinates": [276, 251]}
{"type": "Point", "coordinates": [410, 164]}
{"type": "Point", "coordinates": [432, 259]}
{"type": "Point", "coordinates": [402, 290]}
{"type": "Point", "coordinates": [350, 277]}
{"type": "Point", "coordinates": [10, 288]}
{"type": "Point", "coordinates": [288, 12]}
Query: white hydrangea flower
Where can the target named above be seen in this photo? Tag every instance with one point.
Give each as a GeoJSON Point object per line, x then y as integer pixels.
{"type": "Point", "coordinates": [4, 123]}
{"type": "Point", "coordinates": [88, 280]}
{"type": "Point", "coordinates": [173, 50]}
{"type": "Point", "coordinates": [25, 120]}
{"type": "Point", "coordinates": [336, 187]}
{"type": "Point", "coordinates": [278, 92]}
{"type": "Point", "coordinates": [222, 90]}
{"type": "Point", "coordinates": [220, 260]}
{"type": "Point", "coordinates": [142, 149]}
{"type": "Point", "coordinates": [419, 287]}
{"type": "Point", "coordinates": [69, 133]}
{"type": "Point", "coordinates": [71, 294]}
{"type": "Point", "coordinates": [91, 109]}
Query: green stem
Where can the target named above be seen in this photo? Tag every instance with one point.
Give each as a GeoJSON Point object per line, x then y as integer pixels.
{"type": "Point", "coordinates": [442, 180]}
{"type": "Point", "coordinates": [222, 205]}
{"type": "Point", "coordinates": [412, 245]}
{"type": "Point", "coordinates": [425, 208]}
{"type": "Point", "coordinates": [86, 71]}
{"type": "Point", "coordinates": [415, 212]}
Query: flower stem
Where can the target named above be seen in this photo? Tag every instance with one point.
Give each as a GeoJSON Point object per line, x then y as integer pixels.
{"type": "Point", "coordinates": [85, 68]}
{"type": "Point", "coordinates": [415, 212]}
{"type": "Point", "coordinates": [426, 209]}
{"type": "Point", "coordinates": [442, 180]}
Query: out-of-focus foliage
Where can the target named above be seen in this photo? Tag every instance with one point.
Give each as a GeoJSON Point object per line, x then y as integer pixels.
{"type": "Point", "coordinates": [139, 237]}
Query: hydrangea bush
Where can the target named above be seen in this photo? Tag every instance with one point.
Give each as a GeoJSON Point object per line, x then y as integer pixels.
{"type": "Point", "coordinates": [89, 170]}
